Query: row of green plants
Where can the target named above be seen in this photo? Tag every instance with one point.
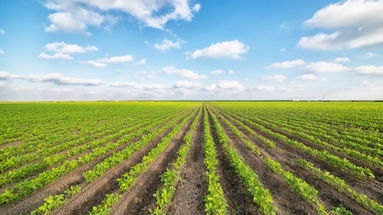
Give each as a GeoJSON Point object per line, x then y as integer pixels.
{"type": "Point", "coordinates": [342, 186]}
{"type": "Point", "coordinates": [124, 154]}
{"type": "Point", "coordinates": [215, 202]}
{"type": "Point", "coordinates": [299, 186]}
{"type": "Point", "coordinates": [346, 148]}
{"type": "Point", "coordinates": [55, 201]}
{"type": "Point", "coordinates": [127, 180]}
{"type": "Point", "coordinates": [261, 196]}
{"type": "Point", "coordinates": [26, 187]}
{"type": "Point", "coordinates": [343, 164]}
{"type": "Point", "coordinates": [171, 176]}
{"type": "Point", "coordinates": [52, 160]}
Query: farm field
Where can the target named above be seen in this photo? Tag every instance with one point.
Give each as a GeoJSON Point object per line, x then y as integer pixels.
{"type": "Point", "coordinates": [191, 158]}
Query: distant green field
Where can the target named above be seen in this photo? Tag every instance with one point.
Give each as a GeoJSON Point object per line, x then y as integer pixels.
{"type": "Point", "coordinates": [191, 158]}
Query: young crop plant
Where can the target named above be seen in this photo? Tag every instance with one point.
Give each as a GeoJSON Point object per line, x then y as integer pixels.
{"type": "Point", "coordinates": [215, 202]}
{"type": "Point", "coordinates": [127, 180]}
{"type": "Point", "coordinates": [261, 196]}
{"type": "Point", "coordinates": [299, 186]}
{"type": "Point", "coordinates": [171, 176]}
{"type": "Point", "coordinates": [342, 186]}
{"type": "Point", "coordinates": [56, 201]}
{"type": "Point", "coordinates": [106, 205]}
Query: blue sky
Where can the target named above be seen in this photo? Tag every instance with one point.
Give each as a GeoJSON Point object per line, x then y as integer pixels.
{"type": "Point", "coordinates": [190, 49]}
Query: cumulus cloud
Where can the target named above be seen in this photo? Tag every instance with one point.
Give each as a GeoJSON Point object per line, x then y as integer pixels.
{"type": "Point", "coordinates": [141, 62]}
{"type": "Point", "coordinates": [275, 78]}
{"type": "Point", "coordinates": [286, 64]}
{"type": "Point", "coordinates": [217, 72]}
{"type": "Point", "coordinates": [370, 55]}
{"type": "Point", "coordinates": [323, 66]}
{"type": "Point", "coordinates": [60, 56]}
{"type": "Point", "coordinates": [342, 59]}
{"type": "Point", "coordinates": [59, 79]}
{"type": "Point", "coordinates": [229, 49]}
{"type": "Point", "coordinates": [141, 87]}
{"type": "Point", "coordinates": [55, 78]}
{"type": "Point", "coordinates": [77, 15]}
{"type": "Point", "coordinates": [104, 62]}
{"type": "Point", "coordinates": [352, 24]}
{"type": "Point", "coordinates": [369, 70]}
{"type": "Point", "coordinates": [187, 84]}
{"type": "Point", "coordinates": [226, 86]}
{"type": "Point", "coordinates": [311, 77]}
{"type": "Point", "coordinates": [62, 47]}
{"type": "Point", "coordinates": [167, 44]}
{"type": "Point", "coordinates": [183, 73]}
{"type": "Point", "coordinates": [62, 51]}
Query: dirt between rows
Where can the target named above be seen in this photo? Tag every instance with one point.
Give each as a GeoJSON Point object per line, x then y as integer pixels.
{"type": "Point", "coordinates": [287, 155]}
{"type": "Point", "coordinates": [191, 189]}
{"type": "Point", "coordinates": [237, 197]}
{"type": "Point", "coordinates": [73, 178]}
{"type": "Point", "coordinates": [139, 198]}
{"type": "Point", "coordinates": [287, 201]}
{"type": "Point", "coordinates": [370, 187]}
{"type": "Point", "coordinates": [93, 193]}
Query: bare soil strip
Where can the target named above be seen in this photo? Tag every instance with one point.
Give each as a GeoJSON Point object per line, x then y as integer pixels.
{"type": "Point", "coordinates": [286, 201]}
{"type": "Point", "coordinates": [139, 198]}
{"type": "Point", "coordinates": [93, 193]}
{"type": "Point", "coordinates": [191, 189]}
{"type": "Point", "coordinates": [239, 201]}
{"type": "Point", "coordinates": [286, 155]}
{"type": "Point", "coordinates": [73, 178]}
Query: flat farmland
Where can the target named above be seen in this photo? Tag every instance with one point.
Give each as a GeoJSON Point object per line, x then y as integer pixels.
{"type": "Point", "coordinates": [191, 158]}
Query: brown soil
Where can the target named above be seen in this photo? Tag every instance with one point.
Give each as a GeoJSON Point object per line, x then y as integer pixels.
{"type": "Point", "coordinates": [11, 144]}
{"type": "Point", "coordinates": [286, 201]}
{"type": "Point", "coordinates": [75, 177]}
{"type": "Point", "coordinates": [139, 198]}
{"type": "Point", "coordinates": [191, 189]}
{"type": "Point", "coordinates": [287, 155]}
{"type": "Point", "coordinates": [93, 193]}
{"type": "Point", "coordinates": [237, 197]}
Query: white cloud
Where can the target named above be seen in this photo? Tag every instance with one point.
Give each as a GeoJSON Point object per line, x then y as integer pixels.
{"type": "Point", "coordinates": [187, 85]}
{"type": "Point", "coordinates": [2, 51]}
{"type": "Point", "coordinates": [286, 64]}
{"type": "Point", "coordinates": [370, 55]}
{"type": "Point", "coordinates": [137, 86]}
{"type": "Point", "coordinates": [183, 73]}
{"type": "Point", "coordinates": [145, 75]}
{"type": "Point", "coordinates": [370, 70]}
{"type": "Point", "coordinates": [55, 78]}
{"type": "Point", "coordinates": [112, 60]}
{"type": "Point", "coordinates": [353, 24]}
{"type": "Point", "coordinates": [310, 77]}
{"type": "Point", "coordinates": [167, 44]}
{"type": "Point", "coordinates": [60, 56]}
{"type": "Point", "coordinates": [2, 32]}
{"type": "Point", "coordinates": [232, 49]}
{"type": "Point", "coordinates": [196, 7]}
{"type": "Point", "coordinates": [59, 79]}
{"type": "Point", "coordinates": [94, 63]}
{"type": "Point", "coordinates": [117, 59]}
{"type": "Point", "coordinates": [231, 72]}
{"type": "Point", "coordinates": [62, 50]}
{"type": "Point", "coordinates": [226, 85]}
{"type": "Point", "coordinates": [268, 88]}
{"type": "Point", "coordinates": [217, 72]}
{"type": "Point", "coordinates": [323, 66]}
{"type": "Point", "coordinates": [141, 62]}
{"type": "Point", "coordinates": [341, 59]}
{"type": "Point", "coordinates": [76, 15]}
{"type": "Point", "coordinates": [275, 78]}
{"type": "Point", "coordinates": [62, 47]}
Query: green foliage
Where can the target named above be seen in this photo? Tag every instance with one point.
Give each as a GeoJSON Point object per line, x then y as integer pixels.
{"type": "Point", "coordinates": [341, 211]}
{"type": "Point", "coordinates": [106, 204]}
